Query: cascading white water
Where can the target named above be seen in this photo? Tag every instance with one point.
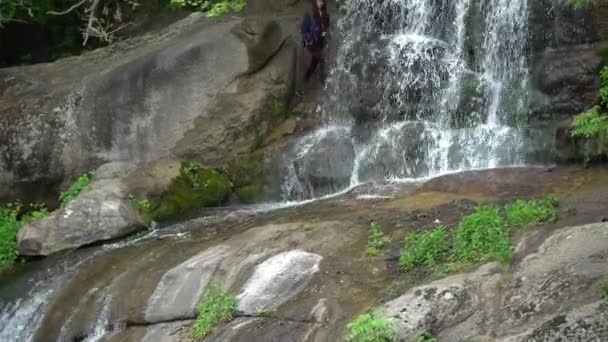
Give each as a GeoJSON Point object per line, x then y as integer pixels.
{"type": "Point", "coordinates": [424, 87]}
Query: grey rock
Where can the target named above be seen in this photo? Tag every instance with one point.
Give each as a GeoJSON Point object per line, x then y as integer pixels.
{"type": "Point", "coordinates": [567, 82]}
{"type": "Point", "coordinates": [101, 212]}
{"type": "Point", "coordinates": [276, 280]}
{"type": "Point", "coordinates": [180, 289]}
{"type": "Point", "coordinates": [545, 299]}
{"type": "Point", "coordinates": [325, 159]}
{"type": "Point", "coordinates": [196, 89]}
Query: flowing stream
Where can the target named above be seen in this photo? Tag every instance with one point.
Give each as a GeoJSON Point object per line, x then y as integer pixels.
{"type": "Point", "coordinates": [420, 88]}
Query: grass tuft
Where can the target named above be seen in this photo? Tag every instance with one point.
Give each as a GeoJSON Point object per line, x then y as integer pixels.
{"type": "Point", "coordinates": [216, 307]}
{"type": "Point", "coordinates": [423, 248]}
{"type": "Point", "coordinates": [371, 327]}
{"type": "Point", "coordinates": [522, 213]}
{"type": "Point", "coordinates": [74, 190]}
{"type": "Point", "coordinates": [376, 240]}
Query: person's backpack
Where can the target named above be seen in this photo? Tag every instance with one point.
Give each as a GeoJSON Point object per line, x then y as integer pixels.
{"type": "Point", "coordinates": [307, 29]}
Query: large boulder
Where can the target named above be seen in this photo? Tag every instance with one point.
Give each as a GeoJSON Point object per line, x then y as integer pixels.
{"type": "Point", "coordinates": [196, 89]}
{"type": "Point", "coordinates": [549, 293]}
{"type": "Point", "coordinates": [101, 212]}
{"type": "Point", "coordinates": [105, 210]}
{"type": "Point", "coordinates": [324, 160]}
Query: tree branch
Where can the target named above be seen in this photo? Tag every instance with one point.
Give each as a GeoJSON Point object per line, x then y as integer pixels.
{"type": "Point", "coordinates": [69, 9]}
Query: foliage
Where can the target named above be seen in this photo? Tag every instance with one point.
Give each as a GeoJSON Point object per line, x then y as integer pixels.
{"type": "Point", "coordinates": [604, 288]}
{"type": "Point", "coordinates": [216, 307]}
{"type": "Point", "coordinates": [482, 235]}
{"type": "Point", "coordinates": [376, 240]}
{"type": "Point", "coordinates": [578, 3]}
{"type": "Point", "coordinates": [371, 327]}
{"type": "Point", "coordinates": [595, 120]}
{"type": "Point", "coordinates": [521, 213]}
{"type": "Point", "coordinates": [144, 204]}
{"type": "Point", "coordinates": [425, 336]}
{"type": "Point", "coordinates": [423, 248]}
{"type": "Point", "coordinates": [11, 219]}
{"type": "Point", "coordinates": [74, 190]}
{"type": "Point", "coordinates": [213, 8]}
{"type": "Point", "coordinates": [590, 123]}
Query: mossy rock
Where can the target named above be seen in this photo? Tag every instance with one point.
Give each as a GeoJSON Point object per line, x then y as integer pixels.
{"type": "Point", "coordinates": [247, 173]}
{"type": "Point", "coordinates": [195, 187]}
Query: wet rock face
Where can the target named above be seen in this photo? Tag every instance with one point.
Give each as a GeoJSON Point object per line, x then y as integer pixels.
{"type": "Point", "coordinates": [564, 66]}
{"type": "Point", "coordinates": [541, 301]}
{"type": "Point", "coordinates": [276, 280]}
{"type": "Point", "coordinates": [328, 161]}
{"type": "Point", "coordinates": [569, 149]}
{"type": "Point", "coordinates": [195, 90]}
{"type": "Point", "coordinates": [567, 82]}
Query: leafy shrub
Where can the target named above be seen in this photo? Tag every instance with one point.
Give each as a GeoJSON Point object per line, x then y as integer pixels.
{"type": "Point", "coordinates": [604, 288]}
{"type": "Point", "coordinates": [11, 219]}
{"type": "Point", "coordinates": [213, 8]}
{"type": "Point", "coordinates": [590, 123]}
{"type": "Point", "coordinates": [595, 120]}
{"type": "Point", "coordinates": [521, 213]}
{"type": "Point", "coordinates": [216, 307]}
{"type": "Point", "coordinates": [482, 235]}
{"type": "Point", "coordinates": [371, 327]}
{"type": "Point", "coordinates": [423, 248]}
{"type": "Point", "coordinates": [376, 240]}
{"type": "Point", "coordinates": [74, 190]}
{"type": "Point", "coordinates": [426, 336]}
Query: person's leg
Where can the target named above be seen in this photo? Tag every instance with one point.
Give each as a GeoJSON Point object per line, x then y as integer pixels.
{"type": "Point", "coordinates": [322, 69]}
{"type": "Point", "coordinates": [314, 61]}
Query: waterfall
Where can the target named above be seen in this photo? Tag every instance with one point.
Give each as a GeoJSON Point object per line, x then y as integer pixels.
{"type": "Point", "coordinates": [420, 88]}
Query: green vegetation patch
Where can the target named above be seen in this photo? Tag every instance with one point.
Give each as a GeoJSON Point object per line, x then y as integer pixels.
{"type": "Point", "coordinates": [195, 187]}
{"type": "Point", "coordinates": [216, 307]}
{"type": "Point", "coordinates": [594, 121]}
{"type": "Point", "coordinates": [212, 7]}
{"type": "Point", "coordinates": [376, 240]}
{"type": "Point", "coordinates": [371, 327]}
{"type": "Point", "coordinates": [481, 236]}
{"type": "Point", "coordinates": [604, 288]}
{"type": "Point", "coordinates": [426, 336]}
{"type": "Point", "coordinates": [522, 213]}
{"type": "Point", "coordinates": [74, 190]}
{"type": "Point", "coordinates": [424, 248]}
{"type": "Point", "coordinates": [11, 219]}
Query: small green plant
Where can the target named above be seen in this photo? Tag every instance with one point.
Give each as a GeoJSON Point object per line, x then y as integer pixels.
{"type": "Point", "coordinates": [11, 218]}
{"type": "Point", "coordinates": [425, 336]}
{"type": "Point", "coordinates": [74, 190]}
{"type": "Point", "coordinates": [590, 123]}
{"type": "Point", "coordinates": [423, 248]}
{"type": "Point", "coordinates": [594, 121]}
{"type": "Point", "coordinates": [522, 213]}
{"type": "Point", "coordinates": [212, 7]}
{"type": "Point", "coordinates": [216, 307]}
{"type": "Point", "coordinates": [131, 197]}
{"type": "Point", "coordinates": [115, 174]}
{"type": "Point", "coordinates": [376, 240]}
{"type": "Point", "coordinates": [371, 327]}
{"type": "Point", "coordinates": [481, 236]}
{"type": "Point", "coordinates": [144, 204]}
{"type": "Point", "coordinates": [604, 288]}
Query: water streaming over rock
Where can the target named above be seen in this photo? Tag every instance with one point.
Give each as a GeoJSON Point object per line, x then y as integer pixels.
{"type": "Point", "coordinates": [420, 88]}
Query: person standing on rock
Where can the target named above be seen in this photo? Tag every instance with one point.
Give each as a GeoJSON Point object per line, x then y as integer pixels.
{"type": "Point", "coordinates": [315, 33]}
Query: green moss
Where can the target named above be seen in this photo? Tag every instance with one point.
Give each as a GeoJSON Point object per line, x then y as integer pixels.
{"type": "Point", "coordinates": [195, 187]}
{"type": "Point", "coordinates": [248, 176]}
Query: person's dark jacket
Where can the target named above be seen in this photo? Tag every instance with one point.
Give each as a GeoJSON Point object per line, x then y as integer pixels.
{"type": "Point", "coordinates": [315, 30]}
